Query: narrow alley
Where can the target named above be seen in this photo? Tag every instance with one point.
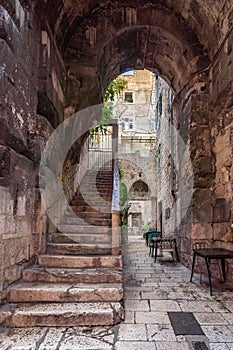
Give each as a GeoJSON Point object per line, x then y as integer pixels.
{"type": "Point", "coordinates": [151, 291]}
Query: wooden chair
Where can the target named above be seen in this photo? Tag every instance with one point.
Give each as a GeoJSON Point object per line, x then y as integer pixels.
{"type": "Point", "coordinates": [167, 244]}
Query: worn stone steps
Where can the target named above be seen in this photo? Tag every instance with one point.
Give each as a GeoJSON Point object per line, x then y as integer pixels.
{"type": "Point", "coordinates": [62, 314]}
{"type": "Point", "coordinates": [91, 193]}
{"type": "Point", "coordinates": [96, 187]}
{"type": "Point", "coordinates": [66, 261]}
{"type": "Point", "coordinates": [72, 227]}
{"type": "Point", "coordinates": [94, 238]}
{"type": "Point", "coordinates": [27, 292]}
{"type": "Point", "coordinates": [70, 275]}
{"type": "Point", "coordinates": [100, 207]}
{"type": "Point", "coordinates": [77, 249]}
{"type": "Point", "coordinates": [87, 209]}
{"type": "Point", "coordinates": [94, 215]}
{"type": "Point", "coordinates": [93, 203]}
{"type": "Point", "coordinates": [77, 282]}
{"type": "Point", "coordinates": [98, 221]}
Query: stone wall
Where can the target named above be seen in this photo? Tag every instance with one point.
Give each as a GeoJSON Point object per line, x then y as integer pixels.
{"type": "Point", "coordinates": [23, 133]}
{"type": "Point", "coordinates": [137, 168]}
{"type": "Point", "coordinates": [204, 117]}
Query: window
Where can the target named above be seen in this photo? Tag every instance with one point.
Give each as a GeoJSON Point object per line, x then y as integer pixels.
{"type": "Point", "coordinates": [160, 104]}
{"type": "Point", "coordinates": [127, 124]}
{"type": "Point", "coordinates": [139, 190]}
{"type": "Point", "coordinates": [128, 97]}
{"type": "Point", "coordinates": [136, 219]}
{"type": "Point", "coordinates": [159, 155]}
{"type": "Point", "coordinates": [152, 124]}
{"type": "Point", "coordinates": [153, 97]}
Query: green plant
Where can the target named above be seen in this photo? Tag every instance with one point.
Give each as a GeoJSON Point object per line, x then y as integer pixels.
{"type": "Point", "coordinates": [115, 88]}
{"type": "Point", "coordinates": [144, 227]}
{"type": "Point", "coordinates": [121, 173]}
{"type": "Point", "coordinates": [101, 129]}
{"type": "Point", "coordinates": [123, 194]}
{"type": "Point", "coordinates": [124, 214]}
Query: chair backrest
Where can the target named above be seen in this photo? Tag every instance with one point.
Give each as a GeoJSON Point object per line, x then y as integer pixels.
{"type": "Point", "coordinates": [200, 245]}
{"type": "Point", "coordinates": [168, 244]}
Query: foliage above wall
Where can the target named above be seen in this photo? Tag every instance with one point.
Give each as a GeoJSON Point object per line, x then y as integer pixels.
{"type": "Point", "coordinates": [116, 87]}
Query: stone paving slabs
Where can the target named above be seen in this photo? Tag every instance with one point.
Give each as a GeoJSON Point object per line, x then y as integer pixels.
{"type": "Point", "coordinates": [219, 346]}
{"type": "Point", "coordinates": [210, 318]}
{"type": "Point", "coordinates": [160, 332]}
{"type": "Point", "coordinates": [135, 345]}
{"type": "Point", "coordinates": [152, 317]}
{"type": "Point", "coordinates": [151, 290]}
{"type": "Point", "coordinates": [132, 332]}
{"type": "Point", "coordinates": [218, 333]}
{"type": "Point", "coordinates": [172, 346]}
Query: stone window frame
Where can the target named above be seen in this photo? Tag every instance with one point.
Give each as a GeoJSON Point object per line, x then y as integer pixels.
{"type": "Point", "coordinates": [127, 99]}
{"type": "Point", "coordinates": [129, 121]}
{"type": "Point", "coordinates": [137, 217]}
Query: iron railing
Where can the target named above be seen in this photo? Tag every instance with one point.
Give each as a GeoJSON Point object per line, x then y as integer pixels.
{"type": "Point", "coordinates": [100, 151]}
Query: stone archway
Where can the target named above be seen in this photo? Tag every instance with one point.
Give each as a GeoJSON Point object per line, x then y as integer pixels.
{"type": "Point", "coordinates": [167, 39]}
{"type": "Point", "coordinates": [59, 56]}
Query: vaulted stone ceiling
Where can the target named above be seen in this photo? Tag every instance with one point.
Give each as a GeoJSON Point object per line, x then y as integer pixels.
{"type": "Point", "coordinates": [175, 38]}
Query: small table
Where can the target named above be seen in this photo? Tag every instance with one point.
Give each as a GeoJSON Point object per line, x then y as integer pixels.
{"type": "Point", "coordinates": [151, 232]}
{"type": "Point", "coordinates": [212, 253]}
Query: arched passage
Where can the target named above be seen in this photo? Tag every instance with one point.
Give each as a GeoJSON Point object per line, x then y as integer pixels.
{"type": "Point", "coordinates": [58, 57]}
{"type": "Point", "coordinates": [98, 41]}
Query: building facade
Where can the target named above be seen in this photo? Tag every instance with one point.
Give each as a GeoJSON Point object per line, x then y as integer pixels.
{"type": "Point", "coordinates": [135, 110]}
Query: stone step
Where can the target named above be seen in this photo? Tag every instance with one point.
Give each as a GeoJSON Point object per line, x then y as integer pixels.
{"type": "Point", "coordinates": [90, 209]}
{"type": "Point", "coordinates": [104, 185]}
{"type": "Point", "coordinates": [79, 238]}
{"type": "Point", "coordinates": [90, 215]}
{"type": "Point", "coordinates": [78, 249]}
{"type": "Point", "coordinates": [98, 221]}
{"type": "Point", "coordinates": [93, 203]}
{"type": "Point", "coordinates": [89, 191]}
{"type": "Point", "coordinates": [71, 227]}
{"type": "Point", "coordinates": [62, 314]}
{"type": "Point", "coordinates": [107, 177]}
{"type": "Point", "coordinates": [61, 275]}
{"type": "Point", "coordinates": [66, 261]}
{"type": "Point", "coordinates": [107, 182]}
{"type": "Point", "coordinates": [31, 292]}
{"type": "Point", "coordinates": [91, 199]}
{"type": "Point", "coordinates": [94, 222]}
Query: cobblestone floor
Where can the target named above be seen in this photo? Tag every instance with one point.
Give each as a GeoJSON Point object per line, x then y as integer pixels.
{"type": "Point", "coordinates": [150, 292]}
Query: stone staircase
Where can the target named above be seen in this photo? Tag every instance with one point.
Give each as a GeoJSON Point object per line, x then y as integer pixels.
{"type": "Point", "coordinates": [77, 281]}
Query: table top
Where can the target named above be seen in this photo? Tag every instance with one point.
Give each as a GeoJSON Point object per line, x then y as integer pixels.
{"type": "Point", "coordinates": [214, 253]}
